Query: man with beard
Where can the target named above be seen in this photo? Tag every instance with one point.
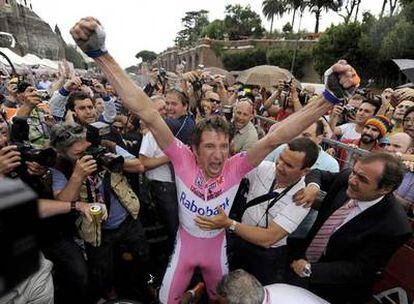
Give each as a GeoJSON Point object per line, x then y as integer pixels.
{"type": "Point", "coordinates": [374, 129]}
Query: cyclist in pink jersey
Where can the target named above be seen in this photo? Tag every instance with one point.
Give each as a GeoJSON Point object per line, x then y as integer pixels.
{"type": "Point", "coordinates": [206, 176]}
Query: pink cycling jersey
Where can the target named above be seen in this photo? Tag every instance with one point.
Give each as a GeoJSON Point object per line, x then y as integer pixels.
{"type": "Point", "coordinates": [197, 196]}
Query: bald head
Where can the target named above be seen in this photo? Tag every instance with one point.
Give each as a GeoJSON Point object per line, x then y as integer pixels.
{"type": "Point", "coordinates": [400, 142]}
{"type": "Point", "coordinates": [243, 113]}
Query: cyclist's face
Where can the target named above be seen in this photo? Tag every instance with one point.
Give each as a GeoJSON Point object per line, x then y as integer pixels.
{"type": "Point", "coordinates": [212, 152]}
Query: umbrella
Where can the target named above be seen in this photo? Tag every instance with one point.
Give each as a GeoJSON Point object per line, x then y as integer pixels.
{"type": "Point", "coordinates": [229, 79]}
{"type": "Point", "coordinates": [265, 76]}
{"type": "Point", "coordinates": [407, 67]}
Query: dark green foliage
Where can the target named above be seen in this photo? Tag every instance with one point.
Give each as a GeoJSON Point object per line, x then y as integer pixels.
{"type": "Point", "coordinates": [215, 30]}
{"type": "Point", "coordinates": [241, 22]}
{"type": "Point", "coordinates": [194, 23]}
{"type": "Point", "coordinates": [146, 56]}
{"type": "Point", "coordinates": [283, 58]}
{"type": "Point", "coordinates": [238, 61]}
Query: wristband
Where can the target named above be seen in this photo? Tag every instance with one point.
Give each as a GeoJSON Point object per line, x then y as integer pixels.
{"type": "Point", "coordinates": [331, 97]}
{"type": "Point", "coordinates": [73, 206]}
{"type": "Point", "coordinates": [63, 91]}
{"type": "Point", "coordinates": [96, 53]}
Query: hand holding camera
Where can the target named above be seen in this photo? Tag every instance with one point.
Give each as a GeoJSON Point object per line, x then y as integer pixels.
{"type": "Point", "coordinates": [72, 84]}
{"type": "Point", "coordinates": [85, 166]}
{"type": "Point", "coordinates": [9, 159]}
{"type": "Point", "coordinates": [31, 97]}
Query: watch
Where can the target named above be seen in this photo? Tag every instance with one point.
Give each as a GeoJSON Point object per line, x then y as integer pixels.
{"type": "Point", "coordinates": [73, 206]}
{"type": "Point", "coordinates": [233, 225]}
{"type": "Point", "coordinates": [307, 271]}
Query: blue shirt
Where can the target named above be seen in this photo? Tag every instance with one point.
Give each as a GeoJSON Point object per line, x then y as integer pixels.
{"type": "Point", "coordinates": [117, 212]}
{"type": "Point", "coordinates": [324, 162]}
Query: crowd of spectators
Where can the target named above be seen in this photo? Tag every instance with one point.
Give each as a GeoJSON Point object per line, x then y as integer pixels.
{"type": "Point", "coordinates": [85, 141]}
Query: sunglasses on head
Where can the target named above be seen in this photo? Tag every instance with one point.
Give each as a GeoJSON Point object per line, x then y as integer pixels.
{"type": "Point", "coordinates": [214, 100]}
{"type": "Point", "coordinates": [67, 134]}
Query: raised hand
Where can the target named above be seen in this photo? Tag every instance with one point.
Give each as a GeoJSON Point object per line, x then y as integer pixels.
{"type": "Point", "coordinates": [89, 35]}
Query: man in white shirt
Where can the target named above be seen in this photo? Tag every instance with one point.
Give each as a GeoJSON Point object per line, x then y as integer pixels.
{"type": "Point", "coordinates": [271, 215]}
{"type": "Point", "coordinates": [240, 287]}
{"type": "Point", "coordinates": [353, 130]}
{"type": "Point", "coordinates": [158, 172]}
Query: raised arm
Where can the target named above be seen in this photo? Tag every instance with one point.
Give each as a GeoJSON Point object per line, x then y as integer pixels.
{"type": "Point", "coordinates": [292, 126]}
{"type": "Point", "coordinates": [90, 37]}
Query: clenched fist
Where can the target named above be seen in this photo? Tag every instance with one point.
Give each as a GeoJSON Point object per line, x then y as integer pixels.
{"type": "Point", "coordinates": [89, 35]}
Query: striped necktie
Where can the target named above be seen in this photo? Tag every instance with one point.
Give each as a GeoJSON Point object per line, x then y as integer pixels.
{"type": "Point", "coordinates": [319, 242]}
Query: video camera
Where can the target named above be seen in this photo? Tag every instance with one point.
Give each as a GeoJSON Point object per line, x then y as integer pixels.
{"type": "Point", "coordinates": [87, 82]}
{"type": "Point", "coordinates": [19, 256]}
{"type": "Point", "coordinates": [22, 85]}
{"type": "Point", "coordinates": [104, 158]}
{"type": "Point", "coordinates": [19, 136]}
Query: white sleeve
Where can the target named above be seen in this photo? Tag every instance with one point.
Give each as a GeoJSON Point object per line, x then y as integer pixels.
{"type": "Point", "coordinates": [290, 217]}
{"type": "Point", "coordinates": [147, 148]}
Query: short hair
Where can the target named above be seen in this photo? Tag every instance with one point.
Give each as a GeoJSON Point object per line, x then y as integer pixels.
{"type": "Point", "coordinates": [393, 172]}
{"type": "Point", "coordinates": [240, 287]}
{"type": "Point", "coordinates": [320, 127]}
{"type": "Point", "coordinates": [213, 123]}
{"type": "Point", "coordinates": [307, 146]}
{"type": "Point", "coordinates": [358, 97]}
{"type": "Point", "coordinates": [408, 112]}
{"type": "Point", "coordinates": [77, 95]}
{"type": "Point", "coordinates": [64, 135]}
{"type": "Point", "coordinates": [179, 92]}
{"type": "Point", "coordinates": [376, 103]}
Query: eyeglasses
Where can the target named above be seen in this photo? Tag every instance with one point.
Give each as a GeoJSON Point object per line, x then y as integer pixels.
{"type": "Point", "coordinates": [214, 101]}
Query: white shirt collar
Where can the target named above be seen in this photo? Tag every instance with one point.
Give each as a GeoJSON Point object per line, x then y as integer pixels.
{"type": "Point", "coordinates": [364, 205]}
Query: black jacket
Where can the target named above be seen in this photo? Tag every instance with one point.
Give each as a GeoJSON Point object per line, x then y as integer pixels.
{"type": "Point", "coordinates": [359, 250]}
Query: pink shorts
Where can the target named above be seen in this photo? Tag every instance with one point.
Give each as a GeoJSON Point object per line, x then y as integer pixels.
{"type": "Point", "coordinates": [209, 254]}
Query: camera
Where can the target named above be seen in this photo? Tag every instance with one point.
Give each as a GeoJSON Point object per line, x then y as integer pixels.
{"type": "Point", "coordinates": [87, 82]}
{"type": "Point", "coordinates": [227, 110]}
{"type": "Point", "coordinates": [19, 257]}
{"type": "Point", "coordinates": [197, 84]}
{"type": "Point", "coordinates": [349, 111]}
{"type": "Point", "coordinates": [19, 136]}
{"type": "Point", "coordinates": [162, 75]}
{"type": "Point", "coordinates": [104, 158]}
{"type": "Point", "coordinates": [22, 85]}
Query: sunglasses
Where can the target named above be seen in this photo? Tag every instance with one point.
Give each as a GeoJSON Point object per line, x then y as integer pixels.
{"type": "Point", "coordinates": [214, 101]}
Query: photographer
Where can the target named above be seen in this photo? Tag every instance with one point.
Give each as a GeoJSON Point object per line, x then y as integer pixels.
{"type": "Point", "coordinates": [284, 101]}
{"type": "Point", "coordinates": [353, 130]}
{"type": "Point", "coordinates": [60, 98]}
{"type": "Point", "coordinates": [77, 176]}
{"type": "Point", "coordinates": [84, 113]}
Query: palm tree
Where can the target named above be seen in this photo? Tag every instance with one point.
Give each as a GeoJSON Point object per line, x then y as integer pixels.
{"type": "Point", "coordinates": [295, 5]}
{"type": "Point", "coordinates": [272, 8]}
{"type": "Point", "coordinates": [316, 7]}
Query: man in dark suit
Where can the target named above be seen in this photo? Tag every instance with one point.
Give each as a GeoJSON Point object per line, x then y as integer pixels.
{"type": "Point", "coordinates": [358, 229]}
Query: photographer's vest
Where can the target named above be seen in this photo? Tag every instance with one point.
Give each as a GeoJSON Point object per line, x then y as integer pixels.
{"type": "Point", "coordinates": [118, 183]}
{"type": "Point", "coordinates": [91, 231]}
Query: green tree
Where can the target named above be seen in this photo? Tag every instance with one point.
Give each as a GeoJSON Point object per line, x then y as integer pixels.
{"type": "Point", "coordinates": [194, 22]}
{"type": "Point", "coordinates": [241, 22]}
{"type": "Point", "coordinates": [146, 56]}
{"type": "Point", "coordinates": [350, 6]}
{"type": "Point", "coordinates": [283, 58]}
{"type": "Point", "coordinates": [317, 6]}
{"type": "Point", "coordinates": [338, 42]}
{"type": "Point", "coordinates": [215, 30]}
{"type": "Point", "coordinates": [239, 61]}
{"type": "Point", "coordinates": [294, 5]}
{"type": "Point", "coordinates": [272, 9]}
{"type": "Point", "coordinates": [399, 42]}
